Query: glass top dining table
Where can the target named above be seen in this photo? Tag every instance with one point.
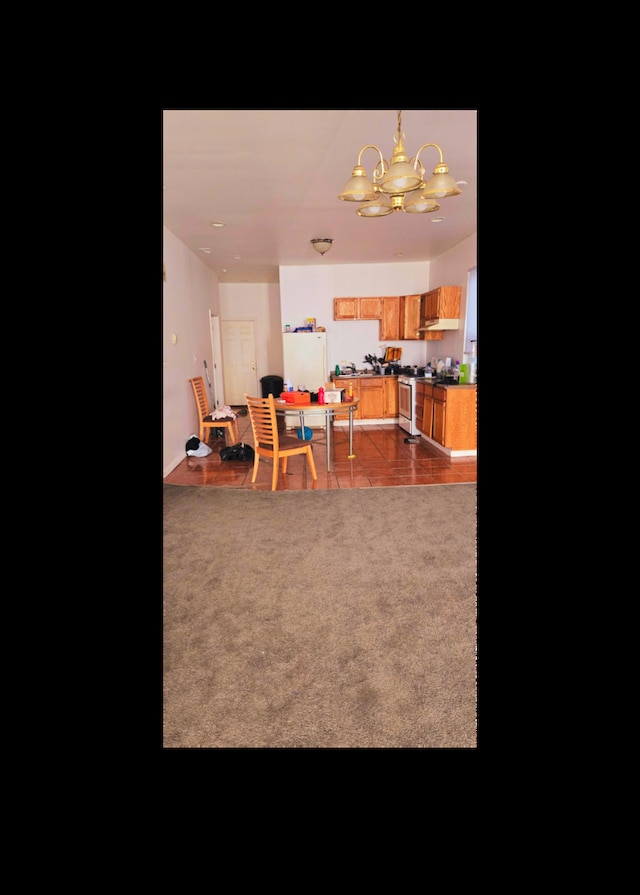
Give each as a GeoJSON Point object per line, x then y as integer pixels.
{"type": "Point", "coordinates": [329, 411]}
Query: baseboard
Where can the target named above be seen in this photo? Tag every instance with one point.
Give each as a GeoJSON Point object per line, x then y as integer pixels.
{"type": "Point", "coordinates": [173, 465]}
{"type": "Point", "coordinates": [448, 451]}
{"type": "Point", "coordinates": [389, 421]}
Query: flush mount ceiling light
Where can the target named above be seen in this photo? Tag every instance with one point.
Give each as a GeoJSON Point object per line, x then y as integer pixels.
{"type": "Point", "coordinates": [392, 182]}
{"type": "Point", "coordinates": [321, 245]}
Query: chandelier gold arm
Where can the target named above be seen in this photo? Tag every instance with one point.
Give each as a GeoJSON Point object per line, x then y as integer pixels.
{"type": "Point", "coordinates": [381, 163]}
{"type": "Point", "coordinates": [424, 146]}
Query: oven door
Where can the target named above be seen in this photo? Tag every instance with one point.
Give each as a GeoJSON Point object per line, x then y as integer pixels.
{"type": "Point", "coordinates": [405, 405]}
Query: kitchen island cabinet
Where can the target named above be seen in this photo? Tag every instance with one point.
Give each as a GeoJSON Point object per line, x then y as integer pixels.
{"type": "Point", "coordinates": [424, 420]}
{"type": "Point", "coordinates": [448, 415]}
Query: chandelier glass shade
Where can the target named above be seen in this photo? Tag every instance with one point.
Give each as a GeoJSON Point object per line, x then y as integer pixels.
{"type": "Point", "coordinates": [394, 182]}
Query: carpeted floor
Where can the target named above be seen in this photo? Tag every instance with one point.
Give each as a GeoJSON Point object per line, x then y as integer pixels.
{"type": "Point", "coordinates": [320, 619]}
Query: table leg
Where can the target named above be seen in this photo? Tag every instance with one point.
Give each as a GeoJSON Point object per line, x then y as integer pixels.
{"type": "Point", "coordinates": [351, 454]}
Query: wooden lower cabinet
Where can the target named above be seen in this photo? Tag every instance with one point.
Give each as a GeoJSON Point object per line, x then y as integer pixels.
{"type": "Point", "coordinates": [439, 419]}
{"type": "Point", "coordinates": [449, 416]}
{"type": "Point", "coordinates": [390, 387]}
{"type": "Point", "coordinates": [424, 393]}
{"type": "Point", "coordinates": [371, 399]}
{"type": "Point", "coordinates": [378, 397]}
{"type": "Point", "coordinates": [344, 383]}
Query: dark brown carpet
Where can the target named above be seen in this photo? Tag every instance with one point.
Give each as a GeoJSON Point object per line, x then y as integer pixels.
{"type": "Point", "coordinates": [320, 619]}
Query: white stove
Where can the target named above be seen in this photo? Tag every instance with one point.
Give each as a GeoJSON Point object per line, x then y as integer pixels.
{"type": "Point", "coordinates": [407, 403]}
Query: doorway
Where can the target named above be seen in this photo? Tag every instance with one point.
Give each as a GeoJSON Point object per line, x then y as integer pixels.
{"type": "Point", "coordinates": [239, 367]}
{"type": "Point", "coordinates": [216, 354]}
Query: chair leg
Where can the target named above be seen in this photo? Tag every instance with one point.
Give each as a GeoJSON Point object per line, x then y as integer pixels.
{"type": "Point", "coordinates": [256, 460]}
{"type": "Point", "coordinates": [274, 476]}
{"type": "Point", "coordinates": [312, 465]}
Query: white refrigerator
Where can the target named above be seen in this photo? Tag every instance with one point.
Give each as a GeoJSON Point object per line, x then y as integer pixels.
{"type": "Point", "coordinates": [305, 364]}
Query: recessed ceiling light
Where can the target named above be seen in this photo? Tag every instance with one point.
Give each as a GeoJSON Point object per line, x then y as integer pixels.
{"type": "Point", "coordinates": [206, 251]}
{"type": "Point", "coordinates": [436, 220]}
{"type": "Point", "coordinates": [217, 223]}
{"type": "Point", "coordinates": [237, 257]}
{"type": "Point", "coordinates": [225, 270]}
{"type": "Point", "coordinates": [399, 254]}
{"type": "Point", "coordinates": [462, 183]}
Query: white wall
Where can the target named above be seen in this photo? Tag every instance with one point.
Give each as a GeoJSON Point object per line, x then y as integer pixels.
{"type": "Point", "coordinates": [259, 302]}
{"type": "Point", "coordinates": [309, 292]}
{"type": "Point", "coordinates": [451, 269]}
{"type": "Point", "coordinates": [189, 291]}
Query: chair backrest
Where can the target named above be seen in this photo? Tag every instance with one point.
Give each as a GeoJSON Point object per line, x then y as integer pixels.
{"type": "Point", "coordinates": [201, 396]}
{"type": "Point", "coordinates": [262, 413]}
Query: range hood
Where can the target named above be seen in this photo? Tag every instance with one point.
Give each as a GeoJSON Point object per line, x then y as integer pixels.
{"type": "Point", "coordinates": [440, 323]}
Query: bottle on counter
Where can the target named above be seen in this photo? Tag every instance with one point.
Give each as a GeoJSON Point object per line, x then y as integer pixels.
{"type": "Point", "coordinates": [287, 328]}
{"type": "Point", "coordinates": [320, 395]}
{"type": "Point", "coordinates": [350, 392]}
{"type": "Point", "coordinates": [337, 370]}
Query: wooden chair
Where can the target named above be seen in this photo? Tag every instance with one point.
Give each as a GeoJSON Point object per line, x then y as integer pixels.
{"type": "Point", "coordinates": [204, 414]}
{"type": "Point", "coordinates": [268, 442]}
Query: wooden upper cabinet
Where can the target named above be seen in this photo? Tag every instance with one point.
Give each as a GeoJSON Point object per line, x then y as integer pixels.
{"type": "Point", "coordinates": [369, 308]}
{"type": "Point", "coordinates": [442, 303]}
{"type": "Point", "coordinates": [410, 316]}
{"type": "Point", "coordinates": [390, 318]}
{"type": "Point", "coordinates": [345, 308]}
{"type": "Point", "coordinates": [401, 316]}
{"type": "Point", "coordinates": [357, 308]}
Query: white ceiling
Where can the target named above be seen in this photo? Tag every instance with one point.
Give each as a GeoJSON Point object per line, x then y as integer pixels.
{"type": "Point", "coordinates": [273, 177]}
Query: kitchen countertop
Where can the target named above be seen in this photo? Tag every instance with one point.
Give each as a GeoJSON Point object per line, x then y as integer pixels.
{"type": "Point", "coordinates": [346, 378]}
{"type": "Point", "coordinates": [431, 381]}
{"type": "Point", "coordinates": [439, 384]}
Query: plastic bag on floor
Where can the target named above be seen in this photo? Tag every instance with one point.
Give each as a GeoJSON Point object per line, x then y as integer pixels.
{"type": "Point", "coordinates": [196, 448]}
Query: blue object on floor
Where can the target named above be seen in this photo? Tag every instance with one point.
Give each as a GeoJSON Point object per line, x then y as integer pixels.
{"type": "Point", "coordinates": [308, 434]}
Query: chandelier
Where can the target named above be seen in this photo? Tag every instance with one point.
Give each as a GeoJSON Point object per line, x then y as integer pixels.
{"type": "Point", "coordinates": [402, 179]}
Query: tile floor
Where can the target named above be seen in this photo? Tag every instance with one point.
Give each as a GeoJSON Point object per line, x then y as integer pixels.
{"type": "Point", "coordinates": [381, 458]}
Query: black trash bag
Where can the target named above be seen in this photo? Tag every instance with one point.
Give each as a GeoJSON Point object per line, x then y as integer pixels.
{"type": "Point", "coordinates": [239, 451]}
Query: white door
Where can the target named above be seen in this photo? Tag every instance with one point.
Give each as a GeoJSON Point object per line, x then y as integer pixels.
{"type": "Point", "coordinates": [239, 367]}
{"type": "Point", "coordinates": [216, 353]}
